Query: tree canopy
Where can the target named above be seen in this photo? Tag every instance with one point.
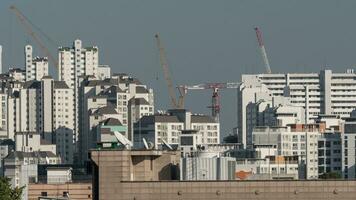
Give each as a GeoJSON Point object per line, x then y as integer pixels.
{"type": "Point", "coordinates": [7, 192]}
{"type": "Point", "coordinates": [330, 175]}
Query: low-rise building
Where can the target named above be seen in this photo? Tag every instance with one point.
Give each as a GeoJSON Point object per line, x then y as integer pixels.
{"type": "Point", "coordinates": [21, 167]}
{"type": "Point", "coordinates": [167, 127]}
{"type": "Point", "coordinates": [329, 153]}
{"type": "Point", "coordinates": [271, 167]}
{"type": "Point", "coordinates": [348, 152]}
{"type": "Point", "coordinates": [295, 140]}
{"type": "Point", "coordinates": [31, 142]}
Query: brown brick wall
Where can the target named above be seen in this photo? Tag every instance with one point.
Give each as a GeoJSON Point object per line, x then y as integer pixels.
{"type": "Point", "coordinates": [115, 166]}
{"type": "Point", "coordinates": [77, 191]}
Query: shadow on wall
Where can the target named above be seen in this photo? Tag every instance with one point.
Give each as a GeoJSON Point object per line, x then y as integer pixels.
{"type": "Point", "coordinates": [169, 172]}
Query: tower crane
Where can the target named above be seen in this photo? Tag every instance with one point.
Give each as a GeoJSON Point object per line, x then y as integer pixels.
{"type": "Point", "coordinates": [26, 24]}
{"type": "Point", "coordinates": [263, 50]}
{"type": "Point", "coordinates": [215, 98]}
{"type": "Point", "coordinates": [163, 61]}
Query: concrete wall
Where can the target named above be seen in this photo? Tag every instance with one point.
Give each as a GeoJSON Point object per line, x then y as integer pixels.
{"type": "Point", "coordinates": [77, 191]}
{"type": "Point", "coordinates": [267, 190]}
{"type": "Point", "coordinates": [114, 169]}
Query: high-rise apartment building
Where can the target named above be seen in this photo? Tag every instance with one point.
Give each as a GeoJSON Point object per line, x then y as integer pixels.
{"type": "Point", "coordinates": [37, 67]}
{"type": "Point", "coordinates": [121, 97]}
{"type": "Point", "coordinates": [44, 107]}
{"type": "Point", "coordinates": [75, 62]}
{"type": "Point", "coordinates": [318, 93]}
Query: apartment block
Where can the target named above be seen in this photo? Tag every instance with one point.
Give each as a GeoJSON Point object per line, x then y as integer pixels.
{"type": "Point", "coordinates": [330, 153]}
{"type": "Point", "coordinates": [348, 151]}
{"type": "Point", "coordinates": [169, 126]}
{"type": "Point", "coordinates": [73, 63]}
{"type": "Point", "coordinates": [326, 93]}
{"type": "Point", "coordinates": [121, 97]}
{"type": "Point", "coordinates": [44, 107]}
{"type": "Point", "coordinates": [294, 140]}
{"type": "Point", "coordinates": [21, 167]}
{"type": "Point", "coordinates": [36, 67]}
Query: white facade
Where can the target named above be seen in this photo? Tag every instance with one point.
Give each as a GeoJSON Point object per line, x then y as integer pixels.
{"type": "Point", "coordinates": [168, 127]}
{"type": "Point", "coordinates": [44, 107]}
{"type": "Point", "coordinates": [292, 143]}
{"type": "Point", "coordinates": [217, 168]}
{"type": "Point", "coordinates": [77, 61]}
{"type": "Point", "coordinates": [31, 141]}
{"type": "Point", "coordinates": [21, 167]}
{"type": "Point", "coordinates": [121, 97]}
{"type": "Point", "coordinates": [3, 115]}
{"type": "Point", "coordinates": [318, 93]}
{"type": "Point", "coordinates": [37, 67]}
{"type": "Point", "coordinates": [103, 72]}
{"type": "Point", "coordinates": [17, 74]}
{"type": "Point", "coordinates": [264, 169]}
{"type": "Point", "coordinates": [59, 175]}
{"type": "Point", "coordinates": [74, 62]}
{"type": "Point", "coordinates": [209, 130]}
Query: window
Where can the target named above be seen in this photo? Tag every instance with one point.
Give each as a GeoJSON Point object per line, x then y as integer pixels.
{"type": "Point", "coordinates": [44, 194]}
{"type": "Point", "coordinates": [65, 194]}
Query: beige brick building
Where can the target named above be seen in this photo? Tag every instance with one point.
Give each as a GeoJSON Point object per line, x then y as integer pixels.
{"type": "Point", "coordinates": [136, 175]}
{"type": "Point", "coordinates": [75, 191]}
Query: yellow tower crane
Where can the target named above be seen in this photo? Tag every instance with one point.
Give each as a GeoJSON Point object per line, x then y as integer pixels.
{"type": "Point", "coordinates": [171, 89]}
{"type": "Point", "coordinates": [25, 23]}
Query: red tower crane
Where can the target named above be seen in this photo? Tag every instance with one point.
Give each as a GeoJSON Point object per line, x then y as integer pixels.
{"type": "Point", "coordinates": [263, 50]}
{"type": "Point", "coordinates": [215, 98]}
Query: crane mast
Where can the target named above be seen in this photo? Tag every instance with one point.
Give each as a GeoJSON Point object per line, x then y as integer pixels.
{"type": "Point", "coordinates": [263, 50]}
{"type": "Point", "coordinates": [167, 77]}
{"type": "Point", "coordinates": [23, 20]}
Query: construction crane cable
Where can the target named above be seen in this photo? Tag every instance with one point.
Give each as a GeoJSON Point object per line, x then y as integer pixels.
{"type": "Point", "coordinates": [29, 30]}
{"type": "Point", "coordinates": [42, 32]}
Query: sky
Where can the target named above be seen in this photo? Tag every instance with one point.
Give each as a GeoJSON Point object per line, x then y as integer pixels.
{"type": "Point", "coordinates": [205, 40]}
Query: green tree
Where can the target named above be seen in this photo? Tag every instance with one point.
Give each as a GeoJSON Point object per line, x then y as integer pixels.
{"type": "Point", "coordinates": [7, 192]}
{"type": "Point", "coordinates": [330, 175]}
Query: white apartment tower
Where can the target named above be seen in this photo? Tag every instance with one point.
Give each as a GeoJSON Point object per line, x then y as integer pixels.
{"type": "Point", "coordinates": [77, 61]}
{"type": "Point", "coordinates": [37, 67]}
{"type": "Point", "coordinates": [44, 107]}
{"type": "Point", "coordinates": [318, 93]}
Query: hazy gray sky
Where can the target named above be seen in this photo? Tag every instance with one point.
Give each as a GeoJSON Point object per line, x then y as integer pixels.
{"type": "Point", "coordinates": [205, 40]}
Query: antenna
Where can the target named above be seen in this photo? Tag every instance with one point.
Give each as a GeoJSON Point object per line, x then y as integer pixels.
{"type": "Point", "coordinates": [145, 143]}
{"type": "Point", "coordinates": [167, 145]}
{"type": "Point", "coordinates": [123, 140]}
